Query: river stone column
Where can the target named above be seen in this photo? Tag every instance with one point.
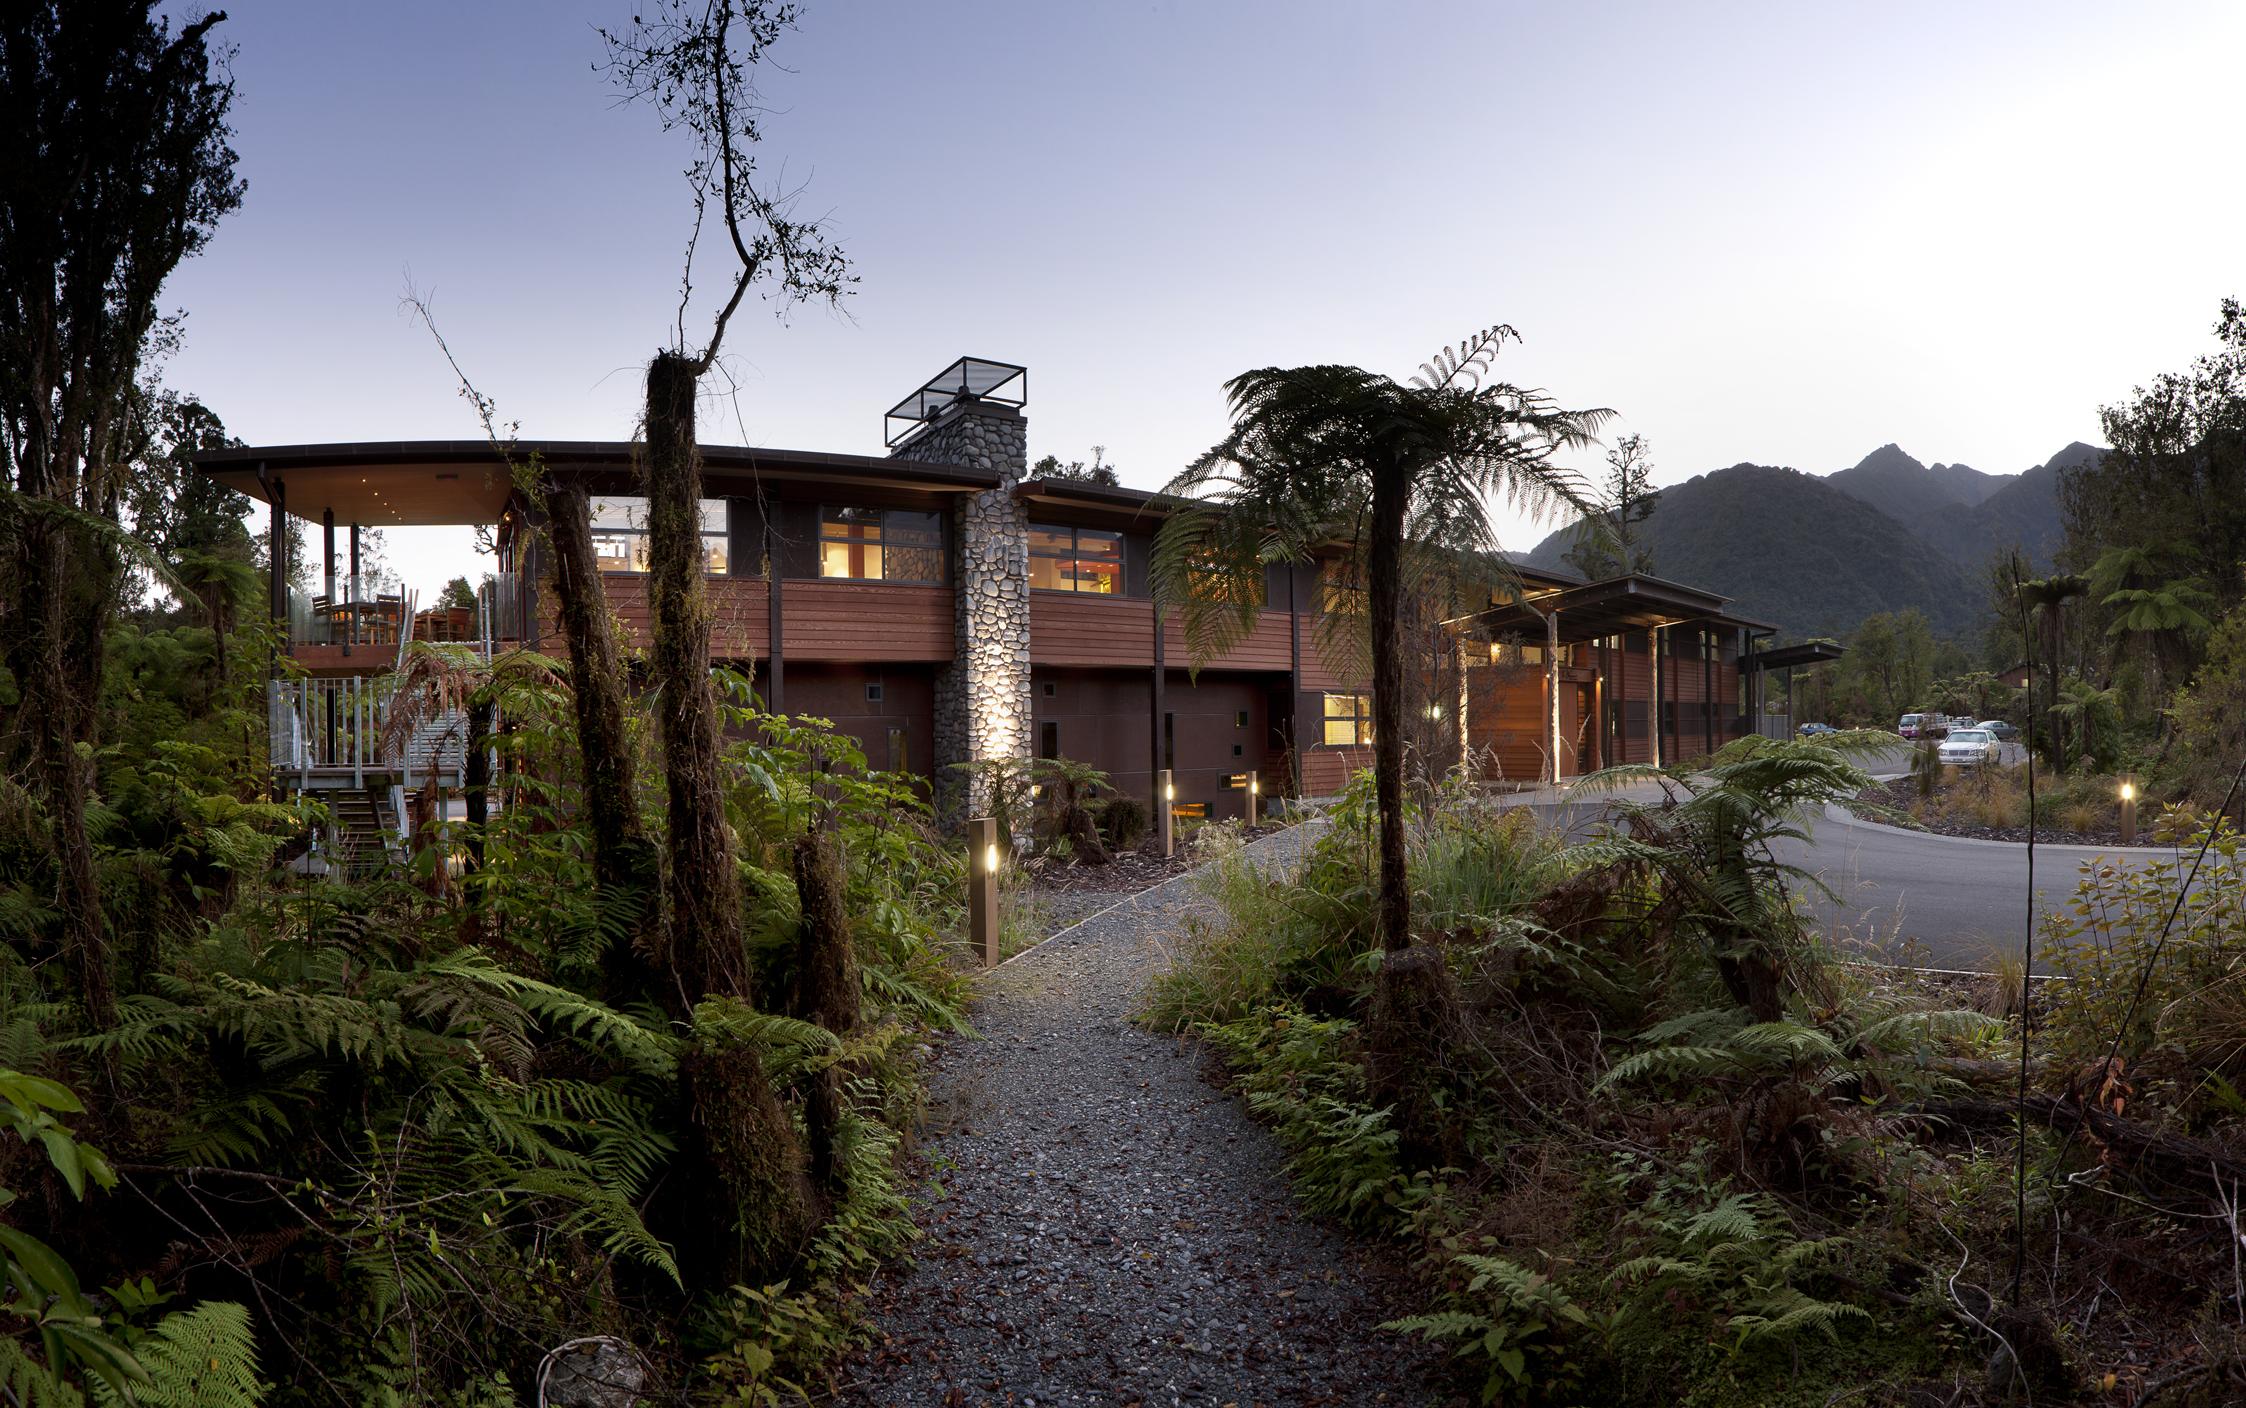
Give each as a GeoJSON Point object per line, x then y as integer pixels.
{"type": "Point", "coordinates": [982, 699]}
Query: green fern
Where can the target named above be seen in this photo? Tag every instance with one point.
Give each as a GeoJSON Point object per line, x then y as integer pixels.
{"type": "Point", "coordinates": [205, 1357]}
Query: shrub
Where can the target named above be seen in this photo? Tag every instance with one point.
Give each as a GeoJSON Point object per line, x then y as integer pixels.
{"type": "Point", "coordinates": [2103, 938]}
{"type": "Point", "coordinates": [1125, 822]}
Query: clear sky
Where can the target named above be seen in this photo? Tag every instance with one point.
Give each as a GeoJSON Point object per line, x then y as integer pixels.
{"type": "Point", "coordinates": [1784, 233]}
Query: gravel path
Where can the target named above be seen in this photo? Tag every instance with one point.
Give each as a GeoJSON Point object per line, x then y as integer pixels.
{"type": "Point", "coordinates": [1104, 1227]}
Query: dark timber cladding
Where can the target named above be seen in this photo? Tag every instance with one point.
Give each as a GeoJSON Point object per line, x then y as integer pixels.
{"type": "Point", "coordinates": [843, 584]}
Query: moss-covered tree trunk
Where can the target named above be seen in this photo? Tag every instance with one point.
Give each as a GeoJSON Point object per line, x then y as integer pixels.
{"type": "Point", "coordinates": [744, 1164]}
{"type": "Point", "coordinates": [597, 680]}
{"type": "Point", "coordinates": [827, 988]}
{"type": "Point", "coordinates": [54, 649]}
{"type": "Point", "coordinates": [624, 861]}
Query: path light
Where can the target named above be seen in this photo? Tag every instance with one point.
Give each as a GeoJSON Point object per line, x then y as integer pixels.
{"type": "Point", "coordinates": [1255, 793]}
{"type": "Point", "coordinates": [982, 886]}
{"type": "Point", "coordinates": [1164, 823]}
{"type": "Point", "coordinates": [2128, 810]}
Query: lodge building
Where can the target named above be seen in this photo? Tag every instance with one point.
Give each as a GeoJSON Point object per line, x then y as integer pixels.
{"type": "Point", "coordinates": [941, 606]}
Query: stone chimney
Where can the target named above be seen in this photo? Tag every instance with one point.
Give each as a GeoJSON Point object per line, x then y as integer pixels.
{"type": "Point", "coordinates": [982, 697]}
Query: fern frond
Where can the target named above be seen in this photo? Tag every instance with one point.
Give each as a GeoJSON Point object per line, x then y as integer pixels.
{"type": "Point", "coordinates": [205, 1357]}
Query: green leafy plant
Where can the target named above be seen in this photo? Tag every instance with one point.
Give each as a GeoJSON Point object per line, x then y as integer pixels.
{"type": "Point", "coordinates": [1519, 1323]}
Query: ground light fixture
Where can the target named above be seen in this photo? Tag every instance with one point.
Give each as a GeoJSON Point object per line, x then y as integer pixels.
{"type": "Point", "coordinates": [984, 860]}
{"type": "Point", "coordinates": [1165, 824]}
{"type": "Point", "coordinates": [1255, 794]}
{"type": "Point", "coordinates": [2128, 810]}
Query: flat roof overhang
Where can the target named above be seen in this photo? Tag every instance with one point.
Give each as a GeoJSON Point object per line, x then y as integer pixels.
{"type": "Point", "coordinates": [1787, 657]}
{"type": "Point", "coordinates": [1595, 610]}
{"type": "Point", "coordinates": [403, 483]}
{"type": "Point", "coordinates": [1080, 494]}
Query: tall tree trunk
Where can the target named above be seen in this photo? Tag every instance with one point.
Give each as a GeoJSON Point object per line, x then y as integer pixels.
{"type": "Point", "coordinates": [596, 678]}
{"type": "Point", "coordinates": [624, 861]}
{"type": "Point", "coordinates": [1384, 572]}
{"type": "Point", "coordinates": [55, 654]}
{"type": "Point", "coordinates": [743, 1164]}
{"type": "Point", "coordinates": [703, 888]}
{"type": "Point", "coordinates": [477, 773]}
{"type": "Point", "coordinates": [826, 988]}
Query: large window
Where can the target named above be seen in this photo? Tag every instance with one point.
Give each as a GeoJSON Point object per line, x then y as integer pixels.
{"type": "Point", "coordinates": [620, 534]}
{"type": "Point", "coordinates": [1075, 559]}
{"type": "Point", "coordinates": [1340, 593]}
{"type": "Point", "coordinates": [1349, 720]}
{"type": "Point", "coordinates": [881, 544]}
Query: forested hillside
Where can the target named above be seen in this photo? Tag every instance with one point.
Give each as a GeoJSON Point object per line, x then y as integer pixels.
{"type": "Point", "coordinates": [1817, 554]}
{"type": "Point", "coordinates": [1791, 549]}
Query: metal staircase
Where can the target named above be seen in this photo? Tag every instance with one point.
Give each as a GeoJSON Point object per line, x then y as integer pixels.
{"type": "Point", "coordinates": [363, 832]}
{"type": "Point", "coordinates": [329, 739]}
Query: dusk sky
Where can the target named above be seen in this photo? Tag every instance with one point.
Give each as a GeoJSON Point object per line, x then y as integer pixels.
{"type": "Point", "coordinates": [1784, 233]}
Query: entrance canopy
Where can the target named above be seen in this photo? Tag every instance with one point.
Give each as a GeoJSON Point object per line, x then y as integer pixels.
{"type": "Point", "coordinates": [1787, 657]}
{"type": "Point", "coordinates": [1595, 610]}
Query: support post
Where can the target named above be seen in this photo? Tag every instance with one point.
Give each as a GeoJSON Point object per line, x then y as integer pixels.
{"type": "Point", "coordinates": [1552, 687]}
{"type": "Point", "coordinates": [277, 558]}
{"type": "Point", "coordinates": [1653, 705]}
{"type": "Point", "coordinates": [1165, 826]}
{"type": "Point", "coordinates": [775, 625]}
{"type": "Point", "coordinates": [351, 625]}
{"type": "Point", "coordinates": [983, 860]}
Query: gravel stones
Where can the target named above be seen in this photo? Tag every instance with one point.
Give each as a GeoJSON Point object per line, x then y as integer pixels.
{"type": "Point", "coordinates": [1104, 1227]}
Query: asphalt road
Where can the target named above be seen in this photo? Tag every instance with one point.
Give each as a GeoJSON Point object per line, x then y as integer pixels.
{"type": "Point", "coordinates": [1911, 897]}
{"type": "Point", "coordinates": [1937, 901]}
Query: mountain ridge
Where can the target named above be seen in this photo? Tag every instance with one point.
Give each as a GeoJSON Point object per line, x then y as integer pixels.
{"type": "Point", "coordinates": [1815, 554]}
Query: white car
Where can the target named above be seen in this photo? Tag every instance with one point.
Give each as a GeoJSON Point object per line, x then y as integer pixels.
{"type": "Point", "coordinates": [1969, 748]}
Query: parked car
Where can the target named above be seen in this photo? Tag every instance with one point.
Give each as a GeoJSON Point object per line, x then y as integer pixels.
{"type": "Point", "coordinates": [1955, 724]}
{"type": "Point", "coordinates": [1968, 748]}
{"type": "Point", "coordinates": [1998, 729]}
{"type": "Point", "coordinates": [1812, 730]}
{"type": "Point", "coordinates": [1910, 725]}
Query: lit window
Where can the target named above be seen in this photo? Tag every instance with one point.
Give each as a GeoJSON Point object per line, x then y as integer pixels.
{"type": "Point", "coordinates": [1340, 594]}
{"type": "Point", "coordinates": [881, 544]}
{"type": "Point", "coordinates": [620, 534]}
{"type": "Point", "coordinates": [1075, 559]}
{"type": "Point", "coordinates": [1349, 720]}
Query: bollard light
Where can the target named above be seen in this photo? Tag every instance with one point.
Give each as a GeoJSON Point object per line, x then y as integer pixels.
{"type": "Point", "coordinates": [982, 888]}
{"type": "Point", "coordinates": [1165, 825]}
{"type": "Point", "coordinates": [1255, 791]}
{"type": "Point", "coordinates": [2128, 811]}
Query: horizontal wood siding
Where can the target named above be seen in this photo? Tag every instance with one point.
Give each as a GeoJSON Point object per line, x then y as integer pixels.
{"type": "Point", "coordinates": [1268, 647]}
{"type": "Point", "coordinates": [1325, 771]}
{"type": "Point", "coordinates": [865, 621]}
{"type": "Point", "coordinates": [1075, 628]}
{"type": "Point", "coordinates": [738, 616]}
